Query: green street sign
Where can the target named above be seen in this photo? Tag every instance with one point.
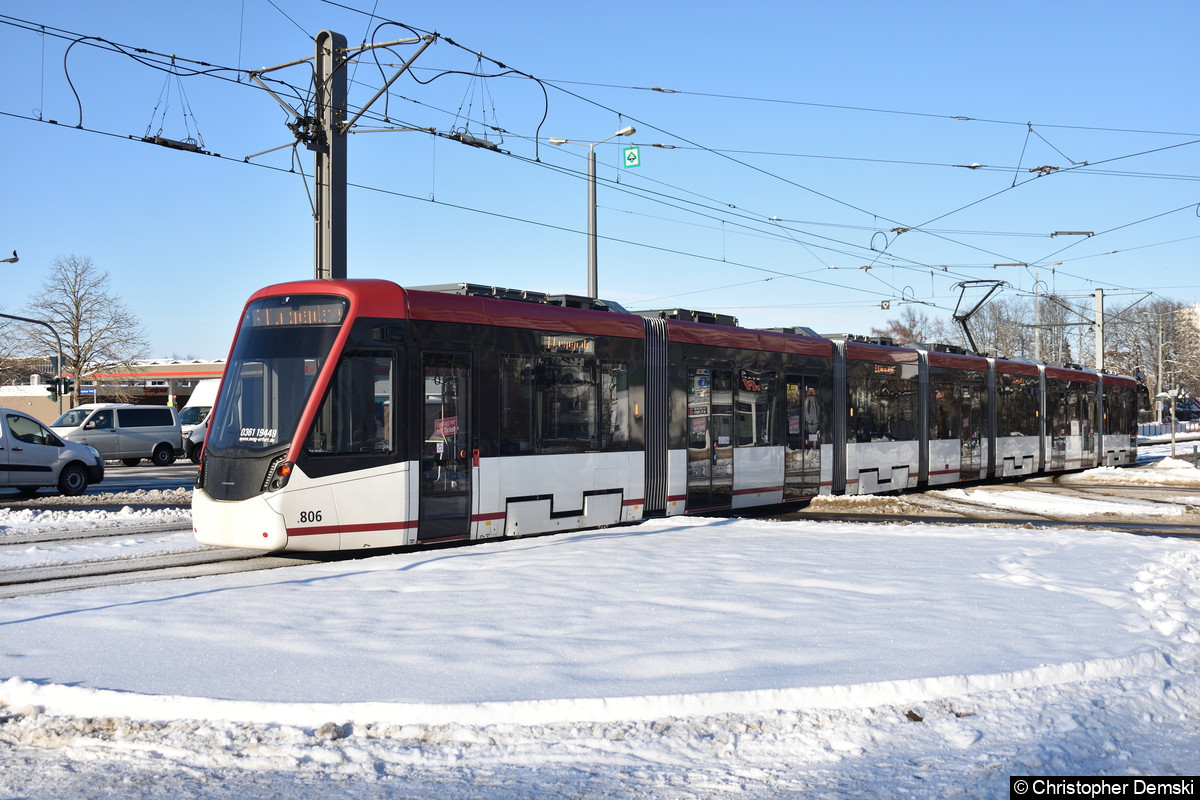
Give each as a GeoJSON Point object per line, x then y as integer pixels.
{"type": "Point", "coordinates": [633, 157]}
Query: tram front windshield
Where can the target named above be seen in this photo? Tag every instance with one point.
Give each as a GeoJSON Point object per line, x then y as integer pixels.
{"type": "Point", "coordinates": [281, 348]}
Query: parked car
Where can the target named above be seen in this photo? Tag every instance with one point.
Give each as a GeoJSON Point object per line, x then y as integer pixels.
{"type": "Point", "coordinates": [1186, 410]}
{"type": "Point", "coordinates": [124, 431]}
{"type": "Point", "coordinates": [33, 456]}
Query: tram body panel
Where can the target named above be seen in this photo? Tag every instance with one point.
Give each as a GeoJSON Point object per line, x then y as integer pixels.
{"type": "Point", "coordinates": [757, 476]}
{"type": "Point", "coordinates": [826, 486]}
{"type": "Point", "coordinates": [873, 467]}
{"type": "Point", "coordinates": [538, 494]}
{"type": "Point", "coordinates": [1017, 456]}
{"type": "Point", "coordinates": [365, 509]}
{"type": "Point", "coordinates": [374, 508]}
{"type": "Point", "coordinates": [1068, 451]}
{"type": "Point", "coordinates": [945, 461]}
{"type": "Point", "coordinates": [251, 524]}
{"type": "Point", "coordinates": [677, 461]}
{"type": "Point", "coordinates": [487, 519]}
{"type": "Point", "coordinates": [1119, 450]}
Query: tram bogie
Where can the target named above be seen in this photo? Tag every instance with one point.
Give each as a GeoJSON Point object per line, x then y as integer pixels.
{"type": "Point", "coordinates": [357, 414]}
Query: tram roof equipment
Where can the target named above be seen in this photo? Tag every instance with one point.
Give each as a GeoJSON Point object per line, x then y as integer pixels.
{"type": "Point", "coordinates": [524, 295]}
{"type": "Point", "coordinates": [707, 317]}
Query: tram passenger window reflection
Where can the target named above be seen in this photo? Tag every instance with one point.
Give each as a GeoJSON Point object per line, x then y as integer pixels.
{"type": "Point", "coordinates": [355, 414]}
{"type": "Point", "coordinates": [516, 405]}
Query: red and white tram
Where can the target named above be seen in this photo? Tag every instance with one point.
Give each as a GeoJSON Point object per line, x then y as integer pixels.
{"type": "Point", "coordinates": [357, 414]}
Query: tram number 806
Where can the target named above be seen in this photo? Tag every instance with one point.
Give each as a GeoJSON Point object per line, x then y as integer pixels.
{"type": "Point", "coordinates": [309, 516]}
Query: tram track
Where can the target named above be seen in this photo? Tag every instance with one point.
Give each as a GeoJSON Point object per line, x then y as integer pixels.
{"type": "Point", "coordinates": [51, 578]}
{"type": "Point", "coordinates": [1147, 492]}
{"type": "Point", "coordinates": [972, 506]}
{"type": "Point", "coordinates": [59, 536]}
{"type": "Point", "coordinates": [988, 517]}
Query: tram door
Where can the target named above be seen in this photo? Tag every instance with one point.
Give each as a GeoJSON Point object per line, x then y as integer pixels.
{"type": "Point", "coordinates": [710, 438]}
{"type": "Point", "coordinates": [1058, 412]}
{"type": "Point", "coordinates": [974, 431]}
{"type": "Point", "coordinates": [802, 457]}
{"type": "Point", "coordinates": [446, 457]}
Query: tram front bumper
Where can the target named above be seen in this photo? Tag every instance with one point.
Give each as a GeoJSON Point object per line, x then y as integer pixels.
{"type": "Point", "coordinates": [250, 524]}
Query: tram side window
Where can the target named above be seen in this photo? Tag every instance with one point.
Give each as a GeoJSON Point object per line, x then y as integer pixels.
{"type": "Point", "coordinates": [882, 401]}
{"type": "Point", "coordinates": [946, 412]}
{"type": "Point", "coordinates": [516, 405]}
{"type": "Point", "coordinates": [615, 420]}
{"type": "Point", "coordinates": [356, 413]}
{"type": "Point", "coordinates": [1017, 405]}
{"type": "Point", "coordinates": [1120, 411]}
{"type": "Point", "coordinates": [566, 404]}
{"type": "Point", "coordinates": [562, 404]}
{"type": "Point", "coordinates": [755, 409]}
{"type": "Point", "coordinates": [1061, 407]}
{"type": "Point", "coordinates": [958, 407]}
{"type": "Point", "coordinates": [1088, 412]}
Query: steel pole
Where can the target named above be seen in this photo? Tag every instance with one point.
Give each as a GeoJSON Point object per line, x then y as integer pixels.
{"type": "Point", "coordinates": [329, 174]}
{"type": "Point", "coordinates": [593, 279]}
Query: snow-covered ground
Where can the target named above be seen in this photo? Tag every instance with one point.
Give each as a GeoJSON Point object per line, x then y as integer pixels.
{"type": "Point", "coordinates": [674, 659]}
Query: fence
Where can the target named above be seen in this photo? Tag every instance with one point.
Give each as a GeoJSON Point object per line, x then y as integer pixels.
{"type": "Point", "coordinates": [1164, 428]}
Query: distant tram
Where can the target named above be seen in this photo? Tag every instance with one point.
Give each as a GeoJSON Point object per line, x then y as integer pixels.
{"type": "Point", "coordinates": [358, 414]}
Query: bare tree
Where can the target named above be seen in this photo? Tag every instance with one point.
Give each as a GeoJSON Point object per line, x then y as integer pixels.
{"type": "Point", "coordinates": [1157, 342]}
{"type": "Point", "coordinates": [1189, 349]}
{"type": "Point", "coordinates": [8, 342]}
{"type": "Point", "coordinates": [96, 326]}
{"type": "Point", "coordinates": [916, 327]}
{"type": "Point", "coordinates": [1002, 327]}
{"type": "Point", "coordinates": [16, 364]}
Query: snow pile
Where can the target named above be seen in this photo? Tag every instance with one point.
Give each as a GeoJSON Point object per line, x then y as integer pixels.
{"type": "Point", "coordinates": [181, 496]}
{"type": "Point", "coordinates": [863, 503]}
{"type": "Point", "coordinates": [1164, 472]}
{"type": "Point", "coordinates": [1059, 506]}
{"type": "Point", "coordinates": [24, 521]}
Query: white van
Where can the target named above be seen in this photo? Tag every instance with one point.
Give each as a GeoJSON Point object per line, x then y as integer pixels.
{"type": "Point", "coordinates": [124, 431]}
{"type": "Point", "coordinates": [193, 418]}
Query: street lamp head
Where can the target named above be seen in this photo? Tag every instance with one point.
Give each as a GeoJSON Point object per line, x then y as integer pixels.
{"type": "Point", "coordinates": [626, 131]}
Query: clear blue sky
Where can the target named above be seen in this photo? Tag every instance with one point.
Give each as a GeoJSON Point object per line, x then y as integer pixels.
{"type": "Point", "coordinates": [840, 120]}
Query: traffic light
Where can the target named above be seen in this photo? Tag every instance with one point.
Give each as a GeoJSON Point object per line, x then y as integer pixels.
{"type": "Point", "coordinates": [52, 389]}
{"type": "Point", "coordinates": [65, 385]}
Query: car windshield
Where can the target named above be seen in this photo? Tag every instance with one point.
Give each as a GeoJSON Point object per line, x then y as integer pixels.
{"type": "Point", "coordinates": [281, 347]}
{"type": "Point", "coordinates": [193, 415]}
{"type": "Point", "coordinates": [72, 419]}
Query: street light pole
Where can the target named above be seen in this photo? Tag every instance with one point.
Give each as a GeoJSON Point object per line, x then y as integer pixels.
{"type": "Point", "coordinates": [593, 290]}
{"type": "Point", "coordinates": [593, 277]}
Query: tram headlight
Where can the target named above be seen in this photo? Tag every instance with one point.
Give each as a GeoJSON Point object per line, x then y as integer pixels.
{"type": "Point", "coordinates": [278, 474]}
